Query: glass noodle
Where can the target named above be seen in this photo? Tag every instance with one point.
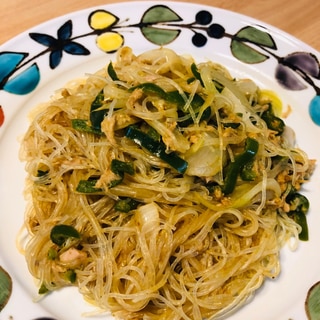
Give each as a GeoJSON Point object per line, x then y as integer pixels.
{"type": "Point", "coordinates": [161, 188]}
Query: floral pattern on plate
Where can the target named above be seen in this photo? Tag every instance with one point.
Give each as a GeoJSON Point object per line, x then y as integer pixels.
{"type": "Point", "coordinates": [160, 25]}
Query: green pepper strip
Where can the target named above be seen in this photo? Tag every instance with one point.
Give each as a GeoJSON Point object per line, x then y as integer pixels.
{"type": "Point", "coordinates": [88, 186]}
{"type": "Point", "coordinates": [197, 76]}
{"type": "Point", "coordinates": [196, 73]}
{"type": "Point", "coordinates": [81, 125]}
{"type": "Point", "coordinates": [96, 116]}
{"type": "Point", "coordinates": [41, 173]}
{"type": "Point", "coordinates": [301, 219]}
{"type": "Point", "coordinates": [171, 96]}
{"type": "Point", "coordinates": [157, 148]}
{"type": "Point", "coordinates": [70, 275]}
{"type": "Point", "coordinates": [247, 172]}
{"type": "Point", "coordinates": [273, 122]}
{"type": "Point", "coordinates": [120, 168]}
{"type": "Point", "coordinates": [61, 233]}
{"type": "Point", "coordinates": [112, 73]}
{"type": "Point", "coordinates": [52, 254]}
{"type": "Point", "coordinates": [126, 205]}
{"type": "Point", "coordinates": [43, 289]}
{"type": "Point", "coordinates": [151, 88]}
{"type": "Point", "coordinates": [235, 167]}
{"type": "Point", "coordinates": [176, 98]}
{"type": "Point", "coordinates": [299, 205]}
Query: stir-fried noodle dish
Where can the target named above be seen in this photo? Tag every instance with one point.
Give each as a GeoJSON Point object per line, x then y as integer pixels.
{"type": "Point", "coordinates": [162, 188]}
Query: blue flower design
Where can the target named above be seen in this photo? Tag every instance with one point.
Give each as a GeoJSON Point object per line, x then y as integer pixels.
{"type": "Point", "coordinates": [62, 43]}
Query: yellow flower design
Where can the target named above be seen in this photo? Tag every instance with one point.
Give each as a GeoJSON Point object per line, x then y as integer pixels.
{"type": "Point", "coordinates": [102, 22]}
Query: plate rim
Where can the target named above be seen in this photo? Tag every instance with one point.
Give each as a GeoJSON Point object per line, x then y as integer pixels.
{"type": "Point", "coordinates": [297, 42]}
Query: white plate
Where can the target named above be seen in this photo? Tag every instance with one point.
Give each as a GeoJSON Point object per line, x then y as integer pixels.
{"type": "Point", "coordinates": [280, 299]}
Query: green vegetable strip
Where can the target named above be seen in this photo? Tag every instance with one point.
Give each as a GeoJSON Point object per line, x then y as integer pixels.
{"type": "Point", "coordinates": [301, 219]}
{"type": "Point", "coordinates": [71, 275]}
{"type": "Point", "coordinates": [157, 148]}
{"type": "Point", "coordinates": [247, 172]}
{"type": "Point", "coordinates": [171, 96]}
{"type": "Point", "coordinates": [151, 88]}
{"type": "Point", "coordinates": [43, 289]}
{"type": "Point", "coordinates": [88, 186]}
{"type": "Point", "coordinates": [41, 173]}
{"type": "Point", "coordinates": [82, 126]}
{"type": "Point", "coordinates": [112, 73]}
{"type": "Point", "coordinates": [118, 167]}
{"type": "Point", "coordinates": [96, 115]}
{"type": "Point", "coordinates": [126, 205]}
{"type": "Point", "coordinates": [234, 168]}
{"type": "Point", "coordinates": [196, 73]}
{"type": "Point", "coordinates": [121, 167]}
{"type": "Point", "coordinates": [52, 254]}
{"type": "Point", "coordinates": [61, 233]}
{"type": "Point", "coordinates": [273, 122]}
{"type": "Point", "coordinates": [299, 206]}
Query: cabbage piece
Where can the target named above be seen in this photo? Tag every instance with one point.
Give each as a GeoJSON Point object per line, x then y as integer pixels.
{"type": "Point", "coordinates": [205, 158]}
{"type": "Point", "coordinates": [147, 217]}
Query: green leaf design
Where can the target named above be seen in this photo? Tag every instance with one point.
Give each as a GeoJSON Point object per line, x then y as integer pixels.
{"type": "Point", "coordinates": [5, 288]}
{"type": "Point", "coordinates": [312, 304]}
{"type": "Point", "coordinates": [160, 36]}
{"type": "Point", "coordinates": [245, 53]}
{"type": "Point", "coordinates": [240, 44]}
{"type": "Point", "coordinates": [256, 36]}
{"type": "Point", "coordinates": [159, 13]}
